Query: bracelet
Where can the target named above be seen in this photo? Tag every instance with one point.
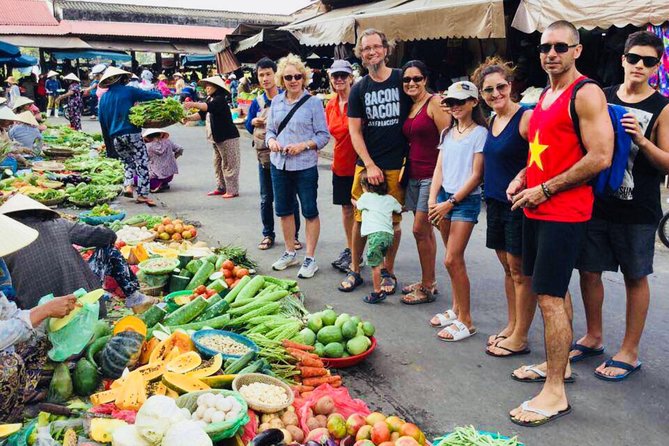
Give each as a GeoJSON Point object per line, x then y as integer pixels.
{"type": "Point", "coordinates": [547, 193]}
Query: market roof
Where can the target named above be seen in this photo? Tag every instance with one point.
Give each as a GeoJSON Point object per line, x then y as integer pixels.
{"type": "Point", "coordinates": [536, 15]}
{"type": "Point", "coordinates": [404, 20]}
{"type": "Point", "coordinates": [14, 13]}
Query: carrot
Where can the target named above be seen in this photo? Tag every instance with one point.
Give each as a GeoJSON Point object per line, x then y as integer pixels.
{"type": "Point", "coordinates": [300, 354]}
{"type": "Point", "coordinates": [302, 389]}
{"type": "Point", "coordinates": [321, 380]}
{"type": "Point", "coordinates": [306, 394]}
{"type": "Point", "coordinates": [336, 384]}
{"type": "Point", "coordinates": [312, 372]}
{"type": "Point", "coordinates": [311, 362]}
{"type": "Point", "coordinates": [287, 343]}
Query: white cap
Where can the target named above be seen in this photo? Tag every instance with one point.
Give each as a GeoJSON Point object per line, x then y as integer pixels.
{"type": "Point", "coordinates": [463, 90]}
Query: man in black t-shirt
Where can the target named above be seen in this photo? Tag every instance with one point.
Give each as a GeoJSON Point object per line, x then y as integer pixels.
{"type": "Point", "coordinates": [622, 230]}
{"type": "Point", "coordinates": [377, 108]}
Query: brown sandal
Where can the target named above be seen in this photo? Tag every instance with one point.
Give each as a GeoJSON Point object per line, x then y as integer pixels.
{"type": "Point", "coordinates": [414, 286]}
{"type": "Point", "coordinates": [266, 243]}
{"type": "Point", "coordinates": [145, 200]}
{"type": "Point", "coordinates": [420, 295]}
{"type": "Point", "coordinates": [298, 245]}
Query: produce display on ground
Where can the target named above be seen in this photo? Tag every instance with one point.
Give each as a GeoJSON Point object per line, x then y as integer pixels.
{"type": "Point", "coordinates": [228, 356]}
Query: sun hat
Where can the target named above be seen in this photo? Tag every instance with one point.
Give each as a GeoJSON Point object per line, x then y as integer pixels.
{"type": "Point", "coordinates": [149, 132]}
{"type": "Point", "coordinates": [20, 202]}
{"type": "Point", "coordinates": [72, 77]}
{"type": "Point", "coordinates": [462, 90]}
{"type": "Point", "coordinates": [3, 101]}
{"type": "Point", "coordinates": [11, 80]}
{"type": "Point", "coordinates": [215, 80]}
{"type": "Point", "coordinates": [232, 76]}
{"type": "Point", "coordinates": [21, 101]}
{"type": "Point", "coordinates": [162, 77]}
{"type": "Point", "coordinates": [27, 117]}
{"type": "Point", "coordinates": [178, 74]}
{"type": "Point", "coordinates": [6, 114]}
{"type": "Point", "coordinates": [52, 73]}
{"type": "Point", "coordinates": [99, 68]}
{"type": "Point", "coordinates": [112, 72]}
{"type": "Point", "coordinates": [16, 235]}
{"type": "Point", "coordinates": [341, 66]}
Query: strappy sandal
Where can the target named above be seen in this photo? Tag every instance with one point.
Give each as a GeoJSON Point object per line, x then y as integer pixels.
{"type": "Point", "coordinates": [388, 280]}
{"type": "Point", "coordinates": [353, 279]}
{"type": "Point", "coordinates": [412, 287]}
{"type": "Point", "coordinates": [374, 298]}
{"type": "Point", "coordinates": [128, 192]}
{"type": "Point", "coordinates": [145, 200]}
{"type": "Point", "coordinates": [420, 295]}
{"type": "Point", "coordinates": [266, 243]}
{"type": "Point", "coordinates": [298, 245]}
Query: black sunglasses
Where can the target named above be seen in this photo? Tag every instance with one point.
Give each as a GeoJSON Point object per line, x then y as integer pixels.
{"type": "Point", "coordinates": [290, 77]}
{"type": "Point", "coordinates": [560, 47]}
{"type": "Point", "coordinates": [415, 79]}
{"type": "Point", "coordinates": [499, 87]}
{"type": "Point", "coordinates": [451, 102]}
{"type": "Point", "coordinates": [648, 61]}
{"type": "Point", "coordinates": [340, 75]}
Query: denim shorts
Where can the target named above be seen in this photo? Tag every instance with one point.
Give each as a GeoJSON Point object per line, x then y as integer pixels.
{"type": "Point", "coordinates": [465, 210]}
{"type": "Point", "coordinates": [417, 195]}
{"type": "Point", "coordinates": [289, 184]}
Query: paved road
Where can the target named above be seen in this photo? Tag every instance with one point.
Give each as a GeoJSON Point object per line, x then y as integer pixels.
{"type": "Point", "coordinates": [438, 385]}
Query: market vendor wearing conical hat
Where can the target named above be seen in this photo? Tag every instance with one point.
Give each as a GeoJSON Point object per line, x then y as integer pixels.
{"type": "Point", "coordinates": [23, 344]}
{"type": "Point", "coordinates": [23, 104]}
{"type": "Point", "coordinates": [13, 91]}
{"type": "Point", "coordinates": [121, 134]}
{"type": "Point", "coordinates": [25, 131]}
{"type": "Point", "coordinates": [221, 133]}
{"type": "Point", "coordinates": [163, 154]}
{"type": "Point", "coordinates": [75, 100]}
{"type": "Point", "coordinates": [52, 265]}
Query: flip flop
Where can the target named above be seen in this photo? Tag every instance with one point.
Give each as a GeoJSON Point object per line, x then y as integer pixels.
{"type": "Point", "coordinates": [548, 416]}
{"type": "Point", "coordinates": [216, 192]}
{"type": "Point", "coordinates": [460, 332]}
{"type": "Point", "coordinates": [541, 376]}
{"type": "Point", "coordinates": [497, 339]}
{"type": "Point", "coordinates": [374, 298]}
{"type": "Point", "coordinates": [357, 281]}
{"type": "Point", "coordinates": [147, 201]}
{"type": "Point", "coordinates": [266, 243]}
{"type": "Point", "coordinates": [388, 280]}
{"type": "Point", "coordinates": [445, 319]}
{"type": "Point", "coordinates": [629, 369]}
{"type": "Point", "coordinates": [586, 352]}
{"type": "Point", "coordinates": [525, 351]}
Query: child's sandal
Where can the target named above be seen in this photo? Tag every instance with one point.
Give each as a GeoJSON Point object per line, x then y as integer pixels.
{"type": "Point", "coordinates": [375, 298]}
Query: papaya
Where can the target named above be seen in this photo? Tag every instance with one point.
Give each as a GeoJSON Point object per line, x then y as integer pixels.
{"type": "Point", "coordinates": [147, 349]}
{"type": "Point", "coordinates": [60, 388]}
{"type": "Point", "coordinates": [178, 339]}
{"type": "Point", "coordinates": [219, 381]}
{"type": "Point", "coordinates": [182, 383]}
{"type": "Point", "coordinates": [207, 368]}
{"type": "Point", "coordinates": [104, 397]}
{"type": "Point", "coordinates": [184, 363]}
{"type": "Point", "coordinates": [86, 378]}
{"type": "Point", "coordinates": [133, 393]}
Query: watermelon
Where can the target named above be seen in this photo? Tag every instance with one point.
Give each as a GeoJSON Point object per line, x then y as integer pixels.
{"type": "Point", "coordinates": [86, 378]}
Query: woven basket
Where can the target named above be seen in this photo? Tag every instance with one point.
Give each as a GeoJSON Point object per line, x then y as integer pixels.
{"type": "Point", "coordinates": [53, 201]}
{"type": "Point", "coordinates": [154, 124]}
{"type": "Point", "coordinates": [250, 378]}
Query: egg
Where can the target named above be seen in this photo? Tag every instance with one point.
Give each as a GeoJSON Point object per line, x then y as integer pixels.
{"type": "Point", "coordinates": [201, 400]}
{"type": "Point", "coordinates": [199, 413]}
{"type": "Point", "coordinates": [202, 424]}
{"type": "Point", "coordinates": [218, 417]}
{"type": "Point", "coordinates": [231, 416]}
{"type": "Point", "coordinates": [210, 399]}
{"type": "Point", "coordinates": [208, 413]}
{"type": "Point", "coordinates": [223, 405]}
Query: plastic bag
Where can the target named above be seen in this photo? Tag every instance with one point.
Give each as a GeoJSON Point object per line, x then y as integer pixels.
{"type": "Point", "coordinates": [251, 428]}
{"type": "Point", "coordinates": [44, 437]}
{"type": "Point", "coordinates": [217, 431]}
{"type": "Point", "coordinates": [344, 404]}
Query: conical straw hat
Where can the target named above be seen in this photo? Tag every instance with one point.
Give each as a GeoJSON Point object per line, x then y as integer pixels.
{"type": "Point", "coordinates": [20, 202]}
{"type": "Point", "coordinates": [15, 235]}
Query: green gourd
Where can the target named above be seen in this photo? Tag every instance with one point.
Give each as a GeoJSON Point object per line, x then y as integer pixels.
{"type": "Point", "coordinates": [60, 389]}
{"type": "Point", "coordinates": [187, 313]}
{"type": "Point", "coordinates": [86, 378]}
{"type": "Point", "coordinates": [121, 351]}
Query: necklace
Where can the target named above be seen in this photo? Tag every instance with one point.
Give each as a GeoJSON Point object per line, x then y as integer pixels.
{"type": "Point", "coordinates": [457, 127]}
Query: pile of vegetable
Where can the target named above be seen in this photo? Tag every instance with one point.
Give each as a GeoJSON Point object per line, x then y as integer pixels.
{"type": "Point", "coordinates": [103, 210]}
{"type": "Point", "coordinates": [46, 195]}
{"type": "Point", "coordinates": [98, 170]}
{"type": "Point", "coordinates": [337, 336]}
{"type": "Point", "coordinates": [89, 194]}
{"type": "Point", "coordinates": [147, 220]}
{"type": "Point", "coordinates": [168, 111]}
{"type": "Point", "coordinates": [174, 230]}
{"type": "Point", "coordinates": [469, 436]}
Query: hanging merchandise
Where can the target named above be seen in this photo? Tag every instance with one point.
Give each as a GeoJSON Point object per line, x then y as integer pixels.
{"type": "Point", "coordinates": [661, 79]}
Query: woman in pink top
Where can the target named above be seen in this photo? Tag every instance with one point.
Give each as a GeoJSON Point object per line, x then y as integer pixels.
{"type": "Point", "coordinates": [422, 128]}
{"type": "Point", "coordinates": [162, 158]}
{"type": "Point", "coordinates": [162, 87]}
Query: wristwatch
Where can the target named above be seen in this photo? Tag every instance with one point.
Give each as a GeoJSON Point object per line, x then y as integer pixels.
{"type": "Point", "coordinates": [452, 200]}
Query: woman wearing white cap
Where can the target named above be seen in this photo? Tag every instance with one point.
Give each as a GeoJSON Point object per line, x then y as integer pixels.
{"type": "Point", "coordinates": [23, 344]}
{"type": "Point", "coordinates": [75, 101]}
{"type": "Point", "coordinates": [179, 84]}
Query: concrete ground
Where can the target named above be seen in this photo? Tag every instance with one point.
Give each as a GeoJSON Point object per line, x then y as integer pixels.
{"type": "Point", "coordinates": [432, 383]}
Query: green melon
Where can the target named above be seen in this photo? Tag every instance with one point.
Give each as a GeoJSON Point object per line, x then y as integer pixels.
{"type": "Point", "coordinates": [86, 378]}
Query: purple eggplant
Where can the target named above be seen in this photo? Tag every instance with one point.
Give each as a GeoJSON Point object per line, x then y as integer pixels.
{"type": "Point", "coordinates": [270, 437]}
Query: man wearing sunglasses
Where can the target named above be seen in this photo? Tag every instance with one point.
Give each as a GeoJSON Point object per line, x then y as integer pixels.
{"type": "Point", "coordinates": [621, 233]}
{"type": "Point", "coordinates": [377, 108]}
{"type": "Point", "coordinates": [557, 202]}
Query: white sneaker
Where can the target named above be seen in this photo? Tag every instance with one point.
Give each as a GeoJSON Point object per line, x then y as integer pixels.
{"type": "Point", "coordinates": [285, 261]}
{"type": "Point", "coordinates": [308, 268]}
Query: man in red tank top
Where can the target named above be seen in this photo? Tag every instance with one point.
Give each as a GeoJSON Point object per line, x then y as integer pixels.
{"type": "Point", "coordinates": [557, 201]}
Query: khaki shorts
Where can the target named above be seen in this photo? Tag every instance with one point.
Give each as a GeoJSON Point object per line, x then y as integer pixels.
{"type": "Point", "coordinates": [395, 189]}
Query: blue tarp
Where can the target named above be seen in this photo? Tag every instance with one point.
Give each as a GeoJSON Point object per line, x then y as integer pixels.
{"type": "Point", "coordinates": [9, 50]}
{"type": "Point", "coordinates": [92, 54]}
{"type": "Point", "coordinates": [19, 62]}
{"type": "Point", "coordinates": [190, 60]}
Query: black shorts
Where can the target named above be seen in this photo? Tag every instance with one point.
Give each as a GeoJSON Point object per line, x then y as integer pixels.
{"type": "Point", "coordinates": [550, 251]}
{"type": "Point", "coordinates": [504, 227]}
{"type": "Point", "coordinates": [341, 190]}
{"type": "Point", "coordinates": [610, 245]}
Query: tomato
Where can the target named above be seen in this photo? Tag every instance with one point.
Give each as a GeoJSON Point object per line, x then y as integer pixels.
{"type": "Point", "coordinates": [201, 289]}
{"type": "Point", "coordinates": [229, 281]}
{"type": "Point", "coordinates": [235, 270]}
{"type": "Point", "coordinates": [234, 284]}
{"type": "Point", "coordinates": [210, 293]}
{"type": "Point", "coordinates": [227, 273]}
{"type": "Point", "coordinates": [120, 244]}
{"type": "Point", "coordinates": [242, 272]}
{"type": "Point", "coordinates": [228, 264]}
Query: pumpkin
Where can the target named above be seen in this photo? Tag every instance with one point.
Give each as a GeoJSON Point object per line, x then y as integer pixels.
{"type": "Point", "coordinates": [104, 397]}
{"type": "Point", "coordinates": [102, 428]}
{"type": "Point", "coordinates": [133, 393]}
{"type": "Point", "coordinates": [132, 323]}
{"type": "Point", "coordinates": [86, 378]}
{"type": "Point", "coordinates": [178, 339]}
{"type": "Point", "coordinates": [147, 349]}
{"type": "Point", "coordinates": [182, 383]}
{"type": "Point", "coordinates": [8, 429]}
{"type": "Point", "coordinates": [121, 351]}
{"type": "Point", "coordinates": [207, 368]}
{"type": "Point", "coordinates": [184, 363]}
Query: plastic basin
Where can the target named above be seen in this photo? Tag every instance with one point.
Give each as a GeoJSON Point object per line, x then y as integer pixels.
{"type": "Point", "coordinates": [198, 335]}
{"type": "Point", "coordinates": [341, 363]}
{"type": "Point", "coordinates": [86, 217]}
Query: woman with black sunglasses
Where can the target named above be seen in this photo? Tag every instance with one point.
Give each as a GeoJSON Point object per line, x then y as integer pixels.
{"type": "Point", "coordinates": [422, 127]}
{"type": "Point", "coordinates": [505, 154]}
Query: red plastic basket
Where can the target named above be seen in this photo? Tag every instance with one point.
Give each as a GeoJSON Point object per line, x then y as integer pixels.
{"type": "Point", "coordinates": [341, 363]}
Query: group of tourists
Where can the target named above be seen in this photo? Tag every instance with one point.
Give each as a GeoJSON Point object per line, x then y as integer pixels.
{"type": "Point", "coordinates": [398, 144]}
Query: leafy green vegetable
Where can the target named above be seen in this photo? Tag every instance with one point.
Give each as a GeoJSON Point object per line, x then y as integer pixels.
{"type": "Point", "coordinates": [469, 436]}
{"type": "Point", "coordinates": [103, 210]}
{"type": "Point", "coordinates": [91, 194]}
{"type": "Point", "coordinates": [47, 194]}
{"type": "Point", "coordinates": [164, 110]}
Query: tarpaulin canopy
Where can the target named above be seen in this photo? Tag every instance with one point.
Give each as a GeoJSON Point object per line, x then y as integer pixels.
{"type": "Point", "coordinates": [272, 43]}
{"type": "Point", "coordinates": [536, 15]}
{"type": "Point", "coordinates": [8, 50]}
{"type": "Point", "coordinates": [49, 42]}
{"type": "Point", "coordinates": [404, 20]}
{"type": "Point", "coordinates": [92, 54]}
{"type": "Point", "coordinates": [19, 61]}
{"type": "Point", "coordinates": [190, 60]}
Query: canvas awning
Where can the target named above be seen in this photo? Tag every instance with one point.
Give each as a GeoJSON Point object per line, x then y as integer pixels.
{"type": "Point", "coordinates": [92, 54]}
{"type": "Point", "coordinates": [55, 42]}
{"type": "Point", "coordinates": [404, 20]}
{"type": "Point", "coordinates": [536, 15]}
{"type": "Point", "coordinates": [272, 43]}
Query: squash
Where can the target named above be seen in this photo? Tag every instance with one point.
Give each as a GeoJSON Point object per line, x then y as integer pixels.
{"type": "Point", "coordinates": [133, 393]}
{"type": "Point", "coordinates": [132, 323]}
{"type": "Point", "coordinates": [147, 349]}
{"type": "Point", "coordinates": [102, 428]}
{"type": "Point", "coordinates": [184, 363]}
{"type": "Point", "coordinates": [106, 396]}
{"type": "Point", "coordinates": [8, 429]}
{"type": "Point", "coordinates": [182, 383]}
{"type": "Point", "coordinates": [178, 339]}
{"type": "Point", "coordinates": [86, 378]}
{"type": "Point", "coordinates": [186, 313]}
{"type": "Point", "coordinates": [219, 381]}
{"type": "Point", "coordinates": [171, 393]}
{"type": "Point", "coordinates": [121, 351]}
{"type": "Point", "coordinates": [207, 368]}
{"type": "Point", "coordinates": [56, 324]}
{"type": "Point", "coordinates": [60, 388]}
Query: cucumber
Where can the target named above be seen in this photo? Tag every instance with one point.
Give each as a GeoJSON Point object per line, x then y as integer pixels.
{"type": "Point", "coordinates": [178, 282]}
{"type": "Point", "coordinates": [217, 322]}
{"type": "Point", "coordinates": [219, 261]}
{"type": "Point", "coordinates": [286, 284]}
{"type": "Point", "coordinates": [201, 276]}
{"type": "Point", "coordinates": [187, 313]}
{"type": "Point", "coordinates": [194, 265]}
{"type": "Point", "coordinates": [252, 288]}
{"type": "Point", "coordinates": [242, 362]}
{"type": "Point", "coordinates": [211, 259]}
{"type": "Point", "coordinates": [153, 315]}
{"type": "Point", "coordinates": [232, 295]}
{"type": "Point", "coordinates": [184, 260]}
{"type": "Point", "coordinates": [213, 300]}
{"type": "Point", "coordinates": [252, 368]}
{"type": "Point", "coordinates": [218, 309]}
{"type": "Point", "coordinates": [218, 286]}
{"type": "Point", "coordinates": [215, 276]}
